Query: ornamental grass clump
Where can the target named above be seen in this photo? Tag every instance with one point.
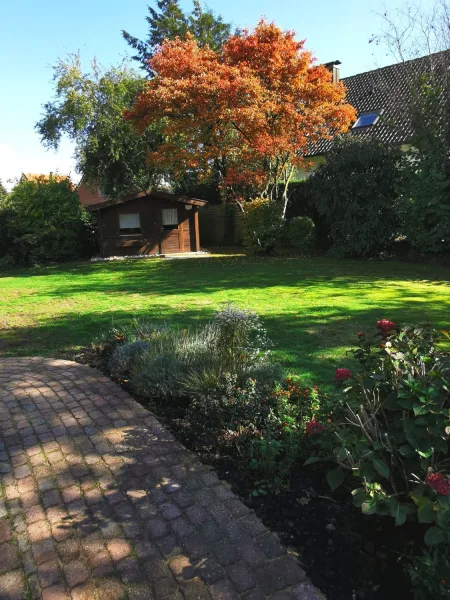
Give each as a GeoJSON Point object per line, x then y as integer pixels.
{"type": "Point", "coordinates": [160, 361]}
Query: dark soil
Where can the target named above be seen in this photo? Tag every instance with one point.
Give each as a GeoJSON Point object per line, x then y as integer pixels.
{"type": "Point", "coordinates": [347, 555]}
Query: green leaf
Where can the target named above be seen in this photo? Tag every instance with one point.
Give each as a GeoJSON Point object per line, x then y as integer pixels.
{"type": "Point", "coordinates": [391, 403]}
{"type": "Point", "coordinates": [359, 497]}
{"type": "Point", "coordinates": [420, 409]}
{"type": "Point", "coordinates": [369, 507]}
{"type": "Point", "coordinates": [367, 472]}
{"type": "Point", "coordinates": [406, 403]}
{"type": "Point", "coordinates": [311, 460]}
{"type": "Point", "coordinates": [425, 514]}
{"type": "Point", "coordinates": [443, 518]}
{"type": "Point", "coordinates": [434, 536]}
{"type": "Point", "coordinates": [399, 514]}
{"type": "Point", "coordinates": [381, 467]}
{"type": "Point", "coordinates": [335, 478]}
{"type": "Point", "coordinates": [407, 451]}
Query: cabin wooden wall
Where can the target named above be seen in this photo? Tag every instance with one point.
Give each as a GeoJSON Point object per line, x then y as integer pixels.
{"type": "Point", "coordinates": [153, 239]}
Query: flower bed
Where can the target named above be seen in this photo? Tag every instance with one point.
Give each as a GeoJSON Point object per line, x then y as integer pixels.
{"type": "Point", "coordinates": [276, 440]}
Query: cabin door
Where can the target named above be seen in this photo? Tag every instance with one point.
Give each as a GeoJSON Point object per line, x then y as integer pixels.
{"type": "Point", "coordinates": [170, 234]}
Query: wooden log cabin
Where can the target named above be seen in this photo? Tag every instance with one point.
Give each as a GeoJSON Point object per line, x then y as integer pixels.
{"type": "Point", "coordinates": [149, 222]}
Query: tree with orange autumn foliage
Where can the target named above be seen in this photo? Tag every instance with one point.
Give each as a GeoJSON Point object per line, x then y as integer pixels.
{"type": "Point", "coordinates": [248, 113]}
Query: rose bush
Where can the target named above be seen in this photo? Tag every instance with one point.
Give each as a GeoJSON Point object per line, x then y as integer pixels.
{"type": "Point", "coordinates": [395, 436]}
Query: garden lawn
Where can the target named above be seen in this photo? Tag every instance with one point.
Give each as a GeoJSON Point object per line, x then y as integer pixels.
{"type": "Point", "coordinates": [312, 308]}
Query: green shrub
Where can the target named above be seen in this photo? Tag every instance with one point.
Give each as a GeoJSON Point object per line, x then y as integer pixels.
{"type": "Point", "coordinates": [263, 225]}
{"type": "Point", "coordinates": [430, 573]}
{"type": "Point", "coordinates": [355, 190]}
{"type": "Point", "coordinates": [45, 223]}
{"type": "Point", "coordinates": [425, 182]}
{"type": "Point", "coordinates": [300, 233]}
{"type": "Point", "coordinates": [395, 438]}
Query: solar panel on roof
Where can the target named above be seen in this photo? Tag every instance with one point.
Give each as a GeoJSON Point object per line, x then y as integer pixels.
{"type": "Point", "coordinates": [366, 119]}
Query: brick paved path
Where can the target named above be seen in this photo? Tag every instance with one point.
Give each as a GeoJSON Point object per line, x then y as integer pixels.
{"type": "Point", "coordinates": [100, 502]}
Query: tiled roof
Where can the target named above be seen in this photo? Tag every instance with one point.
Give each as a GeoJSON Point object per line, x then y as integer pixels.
{"type": "Point", "coordinates": [388, 90]}
{"type": "Point", "coordinates": [44, 178]}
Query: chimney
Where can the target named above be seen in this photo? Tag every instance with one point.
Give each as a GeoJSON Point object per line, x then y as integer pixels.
{"type": "Point", "coordinates": [333, 67]}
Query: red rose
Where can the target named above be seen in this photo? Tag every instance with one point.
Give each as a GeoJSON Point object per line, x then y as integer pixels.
{"type": "Point", "coordinates": [439, 483]}
{"type": "Point", "coordinates": [342, 374]}
{"type": "Point", "coordinates": [314, 427]}
{"type": "Point", "coordinates": [384, 326]}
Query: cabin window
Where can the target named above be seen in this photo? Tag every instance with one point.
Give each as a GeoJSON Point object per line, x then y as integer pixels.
{"type": "Point", "coordinates": [169, 218]}
{"type": "Point", "coordinates": [129, 224]}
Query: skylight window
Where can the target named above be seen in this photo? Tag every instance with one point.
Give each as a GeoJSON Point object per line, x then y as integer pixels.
{"type": "Point", "coordinates": [366, 119]}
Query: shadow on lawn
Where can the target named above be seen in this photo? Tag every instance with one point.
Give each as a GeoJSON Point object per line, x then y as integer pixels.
{"type": "Point", "coordinates": [309, 344]}
{"type": "Point", "coordinates": [203, 275]}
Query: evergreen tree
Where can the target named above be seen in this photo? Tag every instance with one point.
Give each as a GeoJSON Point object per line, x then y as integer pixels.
{"type": "Point", "coordinates": [3, 192]}
{"type": "Point", "coordinates": [169, 22]}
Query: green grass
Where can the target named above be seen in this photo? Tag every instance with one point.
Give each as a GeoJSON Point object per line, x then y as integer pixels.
{"type": "Point", "coordinates": [312, 308]}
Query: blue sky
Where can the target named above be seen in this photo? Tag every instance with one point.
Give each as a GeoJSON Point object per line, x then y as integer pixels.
{"type": "Point", "coordinates": [33, 34]}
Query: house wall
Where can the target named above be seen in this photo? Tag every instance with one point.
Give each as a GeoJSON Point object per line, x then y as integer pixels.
{"type": "Point", "coordinates": [153, 239]}
{"type": "Point", "coordinates": [89, 196]}
{"type": "Point", "coordinates": [309, 167]}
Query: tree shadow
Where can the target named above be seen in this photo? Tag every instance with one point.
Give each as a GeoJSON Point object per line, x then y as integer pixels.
{"type": "Point", "coordinates": [117, 495]}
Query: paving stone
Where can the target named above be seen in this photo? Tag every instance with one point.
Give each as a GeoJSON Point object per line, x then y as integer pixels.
{"type": "Point", "coordinates": [169, 545]}
{"type": "Point", "coordinates": [306, 591]}
{"type": "Point", "coordinates": [69, 550]}
{"type": "Point", "coordinates": [5, 531]}
{"type": "Point", "coordinates": [196, 590]}
{"type": "Point", "coordinates": [49, 573]}
{"type": "Point", "coordinates": [56, 592]}
{"type": "Point", "coordinates": [251, 553]}
{"type": "Point", "coordinates": [85, 591]}
{"type": "Point", "coordinates": [110, 589]}
{"type": "Point", "coordinates": [195, 546]}
{"type": "Point", "coordinates": [223, 590]}
{"type": "Point", "coordinates": [242, 577]}
{"type": "Point", "coordinates": [130, 570]}
{"type": "Point", "coordinates": [167, 589]}
{"type": "Point", "coordinates": [182, 568]}
{"type": "Point", "coordinates": [269, 578]}
{"type": "Point", "coordinates": [270, 545]}
{"type": "Point", "coordinates": [169, 511]}
{"type": "Point", "coordinates": [9, 557]}
{"type": "Point", "coordinates": [182, 527]}
{"type": "Point", "coordinates": [254, 595]}
{"type": "Point", "coordinates": [140, 591]}
{"type": "Point", "coordinates": [101, 498]}
{"type": "Point", "coordinates": [157, 527]}
{"type": "Point", "coordinates": [210, 570]}
{"type": "Point", "coordinates": [226, 552]}
{"type": "Point", "coordinates": [156, 568]}
{"type": "Point", "coordinates": [119, 549]}
{"type": "Point", "coordinates": [12, 586]}
{"type": "Point", "coordinates": [44, 551]}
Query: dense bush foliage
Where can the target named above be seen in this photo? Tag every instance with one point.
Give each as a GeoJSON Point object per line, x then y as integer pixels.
{"type": "Point", "coordinates": [43, 221]}
{"type": "Point", "coordinates": [263, 225]}
{"type": "Point", "coordinates": [300, 233]}
{"type": "Point", "coordinates": [355, 191]}
{"type": "Point", "coordinates": [395, 437]}
{"type": "Point", "coordinates": [425, 182]}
